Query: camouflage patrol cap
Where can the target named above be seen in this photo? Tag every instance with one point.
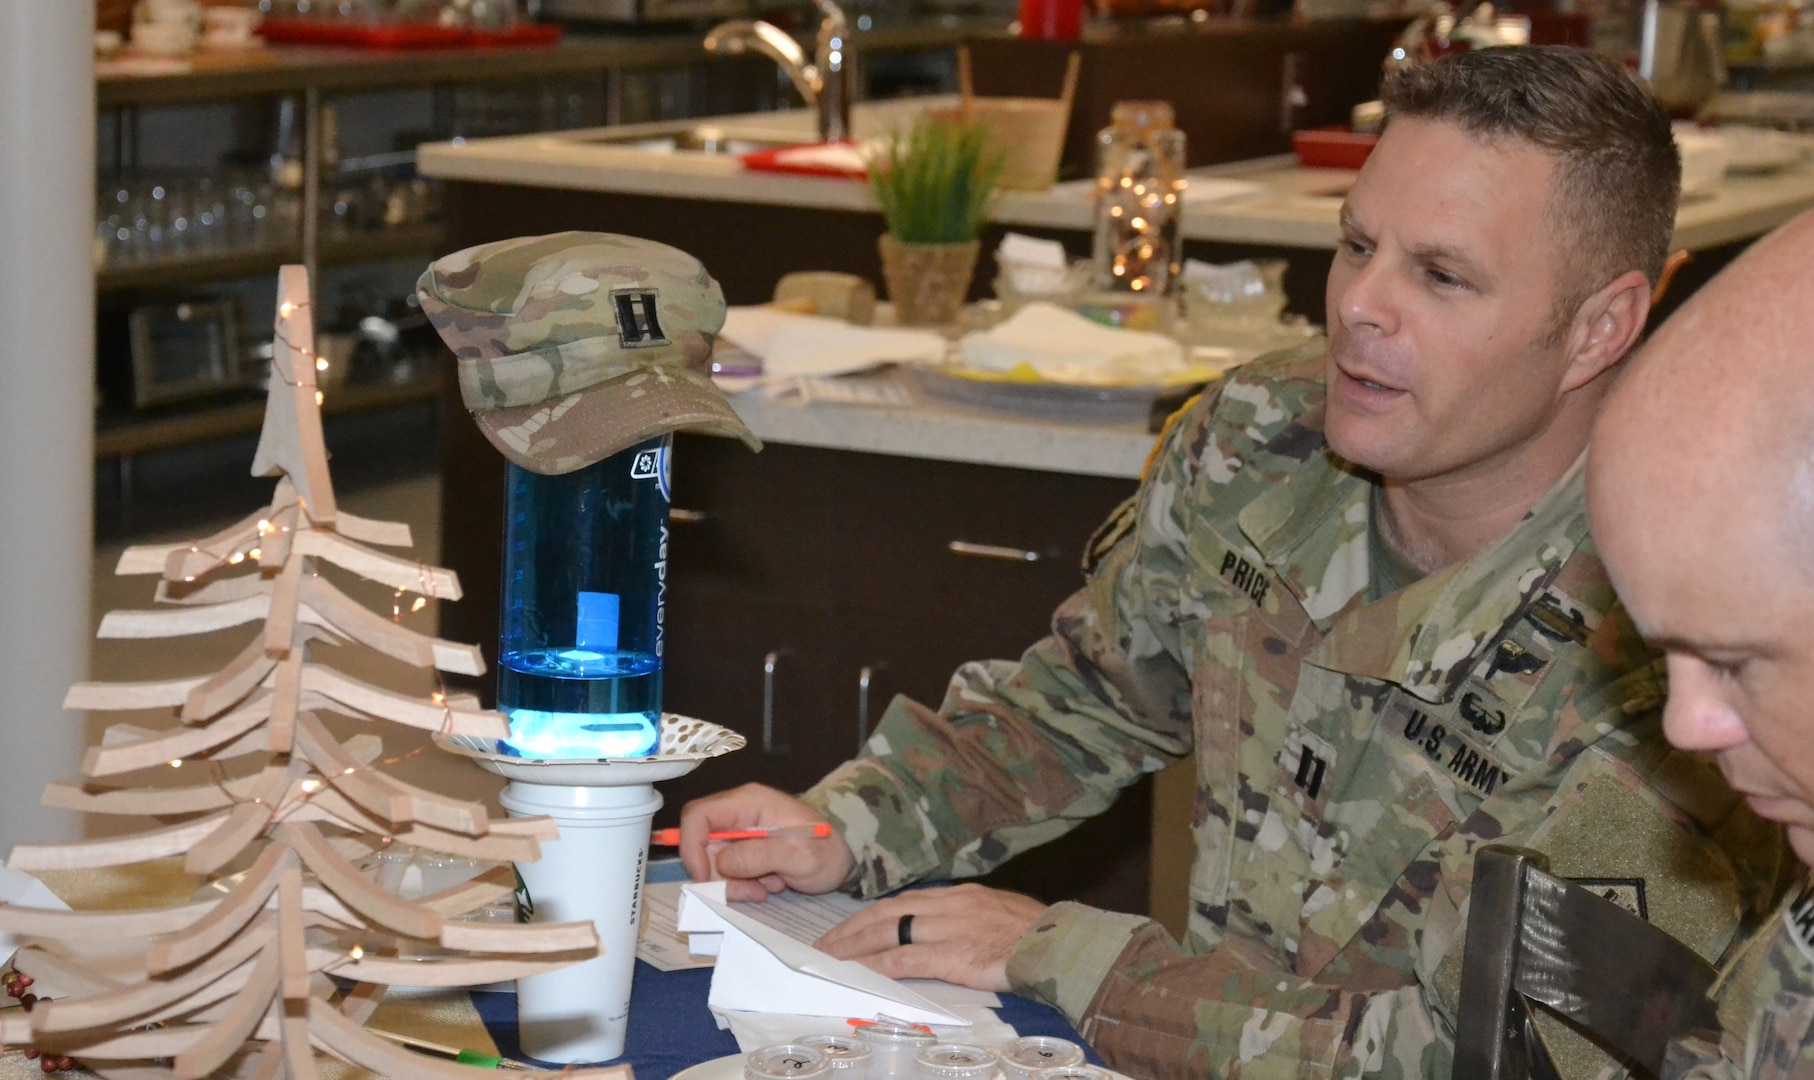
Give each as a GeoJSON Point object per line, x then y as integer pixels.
{"type": "Point", "coordinates": [576, 345]}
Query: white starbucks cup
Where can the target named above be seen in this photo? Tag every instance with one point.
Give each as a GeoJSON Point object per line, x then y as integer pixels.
{"type": "Point", "coordinates": [593, 873]}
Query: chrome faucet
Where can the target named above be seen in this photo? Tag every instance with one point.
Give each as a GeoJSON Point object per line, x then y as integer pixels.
{"type": "Point", "coordinates": [826, 83]}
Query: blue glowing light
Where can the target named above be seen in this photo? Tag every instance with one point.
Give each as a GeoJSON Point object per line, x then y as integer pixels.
{"type": "Point", "coordinates": [537, 734]}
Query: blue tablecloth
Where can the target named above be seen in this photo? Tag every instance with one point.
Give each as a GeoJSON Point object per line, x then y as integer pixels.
{"type": "Point", "coordinates": [671, 1029]}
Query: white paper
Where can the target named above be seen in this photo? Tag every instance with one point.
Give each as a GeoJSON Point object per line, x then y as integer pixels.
{"type": "Point", "coordinates": [760, 967]}
{"type": "Point", "coordinates": [23, 890]}
{"type": "Point", "coordinates": [793, 345]}
{"type": "Point", "coordinates": [846, 157]}
{"type": "Point", "coordinates": [660, 943]}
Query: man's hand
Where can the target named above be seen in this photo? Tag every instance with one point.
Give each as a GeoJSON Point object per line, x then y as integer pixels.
{"type": "Point", "coordinates": [963, 934]}
{"type": "Point", "coordinates": [752, 869]}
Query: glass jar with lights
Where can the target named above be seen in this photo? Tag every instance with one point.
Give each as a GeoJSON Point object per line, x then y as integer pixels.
{"type": "Point", "coordinates": [1139, 200]}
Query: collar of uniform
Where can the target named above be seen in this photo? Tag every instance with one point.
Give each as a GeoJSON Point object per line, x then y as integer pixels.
{"type": "Point", "coordinates": [1310, 525]}
{"type": "Point", "coordinates": [1427, 637]}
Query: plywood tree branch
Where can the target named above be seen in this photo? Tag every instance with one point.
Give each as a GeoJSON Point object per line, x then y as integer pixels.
{"type": "Point", "coordinates": [224, 987]}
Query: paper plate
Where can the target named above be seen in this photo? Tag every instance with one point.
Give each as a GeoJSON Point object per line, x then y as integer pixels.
{"type": "Point", "coordinates": [1077, 400]}
{"type": "Point", "coordinates": [685, 742]}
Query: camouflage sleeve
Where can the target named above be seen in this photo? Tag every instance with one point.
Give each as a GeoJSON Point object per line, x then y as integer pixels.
{"type": "Point", "coordinates": [1154, 1010]}
{"type": "Point", "coordinates": [1766, 1005]}
{"type": "Point", "coordinates": [1020, 753]}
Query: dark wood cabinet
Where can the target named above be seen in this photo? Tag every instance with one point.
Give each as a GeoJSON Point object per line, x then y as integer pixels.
{"type": "Point", "coordinates": [810, 586]}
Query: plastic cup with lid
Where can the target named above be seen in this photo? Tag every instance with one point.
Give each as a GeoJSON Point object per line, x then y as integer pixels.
{"type": "Point", "coordinates": [1023, 1057]}
{"type": "Point", "coordinates": [1073, 1072]}
{"type": "Point", "coordinates": [894, 1046]}
{"type": "Point", "coordinates": [955, 1061]}
{"type": "Point", "coordinates": [847, 1055]}
{"type": "Point", "coordinates": [785, 1061]}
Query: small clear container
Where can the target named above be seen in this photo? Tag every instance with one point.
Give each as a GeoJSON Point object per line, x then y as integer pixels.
{"type": "Point", "coordinates": [894, 1046]}
{"type": "Point", "coordinates": [847, 1055]}
{"type": "Point", "coordinates": [955, 1061]}
{"type": "Point", "coordinates": [785, 1061]}
{"type": "Point", "coordinates": [1027, 1055]}
{"type": "Point", "coordinates": [1073, 1072]}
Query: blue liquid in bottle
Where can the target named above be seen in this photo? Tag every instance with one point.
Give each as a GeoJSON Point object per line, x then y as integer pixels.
{"type": "Point", "coordinates": [585, 586]}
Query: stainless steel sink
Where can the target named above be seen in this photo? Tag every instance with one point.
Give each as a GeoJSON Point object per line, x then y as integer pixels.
{"type": "Point", "coordinates": [693, 139]}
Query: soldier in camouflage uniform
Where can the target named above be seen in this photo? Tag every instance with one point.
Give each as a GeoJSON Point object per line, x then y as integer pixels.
{"type": "Point", "coordinates": [1702, 487]}
{"type": "Point", "coordinates": [1369, 697]}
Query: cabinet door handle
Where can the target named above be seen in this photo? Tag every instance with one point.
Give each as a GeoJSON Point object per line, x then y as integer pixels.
{"type": "Point", "coordinates": [681, 516]}
{"type": "Point", "coordinates": [992, 551]}
{"type": "Point", "coordinates": [769, 663]}
{"type": "Point", "coordinates": [864, 678]}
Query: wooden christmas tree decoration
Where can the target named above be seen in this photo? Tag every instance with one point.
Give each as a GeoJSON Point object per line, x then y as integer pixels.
{"type": "Point", "coordinates": [223, 986]}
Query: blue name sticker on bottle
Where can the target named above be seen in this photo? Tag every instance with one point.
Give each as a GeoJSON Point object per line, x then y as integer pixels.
{"type": "Point", "coordinates": [596, 630]}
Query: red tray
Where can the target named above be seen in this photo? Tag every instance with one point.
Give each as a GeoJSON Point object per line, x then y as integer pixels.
{"type": "Point", "coordinates": [1332, 148]}
{"type": "Point", "coordinates": [400, 35]}
{"type": "Point", "coordinates": [769, 161]}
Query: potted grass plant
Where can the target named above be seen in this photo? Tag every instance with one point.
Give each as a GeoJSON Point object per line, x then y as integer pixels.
{"type": "Point", "coordinates": [933, 184]}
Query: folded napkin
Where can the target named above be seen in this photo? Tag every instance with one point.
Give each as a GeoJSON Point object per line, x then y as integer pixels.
{"type": "Point", "coordinates": [1062, 346]}
{"type": "Point", "coordinates": [792, 345]}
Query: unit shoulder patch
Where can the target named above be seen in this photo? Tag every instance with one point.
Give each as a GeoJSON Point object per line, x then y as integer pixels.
{"type": "Point", "coordinates": [1628, 893]}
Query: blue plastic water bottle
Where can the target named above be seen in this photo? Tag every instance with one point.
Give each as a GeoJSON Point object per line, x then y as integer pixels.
{"type": "Point", "coordinates": [585, 585]}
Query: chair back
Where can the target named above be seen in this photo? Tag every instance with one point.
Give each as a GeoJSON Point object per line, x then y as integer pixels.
{"type": "Point", "coordinates": [1535, 938]}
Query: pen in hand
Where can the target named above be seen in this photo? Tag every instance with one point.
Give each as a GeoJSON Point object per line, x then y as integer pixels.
{"type": "Point", "coordinates": [671, 837]}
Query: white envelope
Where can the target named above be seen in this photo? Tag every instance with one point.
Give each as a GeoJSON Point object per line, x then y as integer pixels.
{"type": "Point", "coordinates": [763, 970]}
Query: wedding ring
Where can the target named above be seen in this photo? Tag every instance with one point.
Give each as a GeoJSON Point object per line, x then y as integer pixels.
{"type": "Point", "coordinates": [904, 930]}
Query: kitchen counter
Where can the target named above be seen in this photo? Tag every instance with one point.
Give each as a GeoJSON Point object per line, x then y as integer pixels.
{"type": "Point", "coordinates": [944, 431]}
{"type": "Point", "coordinates": [1292, 207]}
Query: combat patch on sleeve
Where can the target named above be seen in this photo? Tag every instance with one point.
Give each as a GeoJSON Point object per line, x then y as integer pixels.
{"type": "Point", "coordinates": [1117, 525]}
{"type": "Point", "coordinates": [1798, 918]}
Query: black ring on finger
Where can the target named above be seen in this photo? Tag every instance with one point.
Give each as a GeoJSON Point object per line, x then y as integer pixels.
{"type": "Point", "coordinates": [903, 930]}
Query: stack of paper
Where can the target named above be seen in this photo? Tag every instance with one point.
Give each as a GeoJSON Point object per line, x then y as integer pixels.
{"type": "Point", "coordinates": [770, 985]}
{"type": "Point", "coordinates": [759, 966]}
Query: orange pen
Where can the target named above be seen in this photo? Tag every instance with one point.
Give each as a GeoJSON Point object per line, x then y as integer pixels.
{"type": "Point", "coordinates": [671, 837]}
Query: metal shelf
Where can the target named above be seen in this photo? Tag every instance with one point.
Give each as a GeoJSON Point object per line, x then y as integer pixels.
{"type": "Point", "coordinates": [227, 265]}
{"type": "Point", "coordinates": [135, 436]}
{"type": "Point", "coordinates": [294, 69]}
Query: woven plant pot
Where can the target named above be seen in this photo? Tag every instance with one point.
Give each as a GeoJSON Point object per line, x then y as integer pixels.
{"type": "Point", "coordinates": [927, 282]}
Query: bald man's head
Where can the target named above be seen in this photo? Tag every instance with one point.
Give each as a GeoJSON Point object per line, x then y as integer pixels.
{"type": "Point", "coordinates": [1720, 403]}
{"type": "Point", "coordinates": [1701, 497]}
